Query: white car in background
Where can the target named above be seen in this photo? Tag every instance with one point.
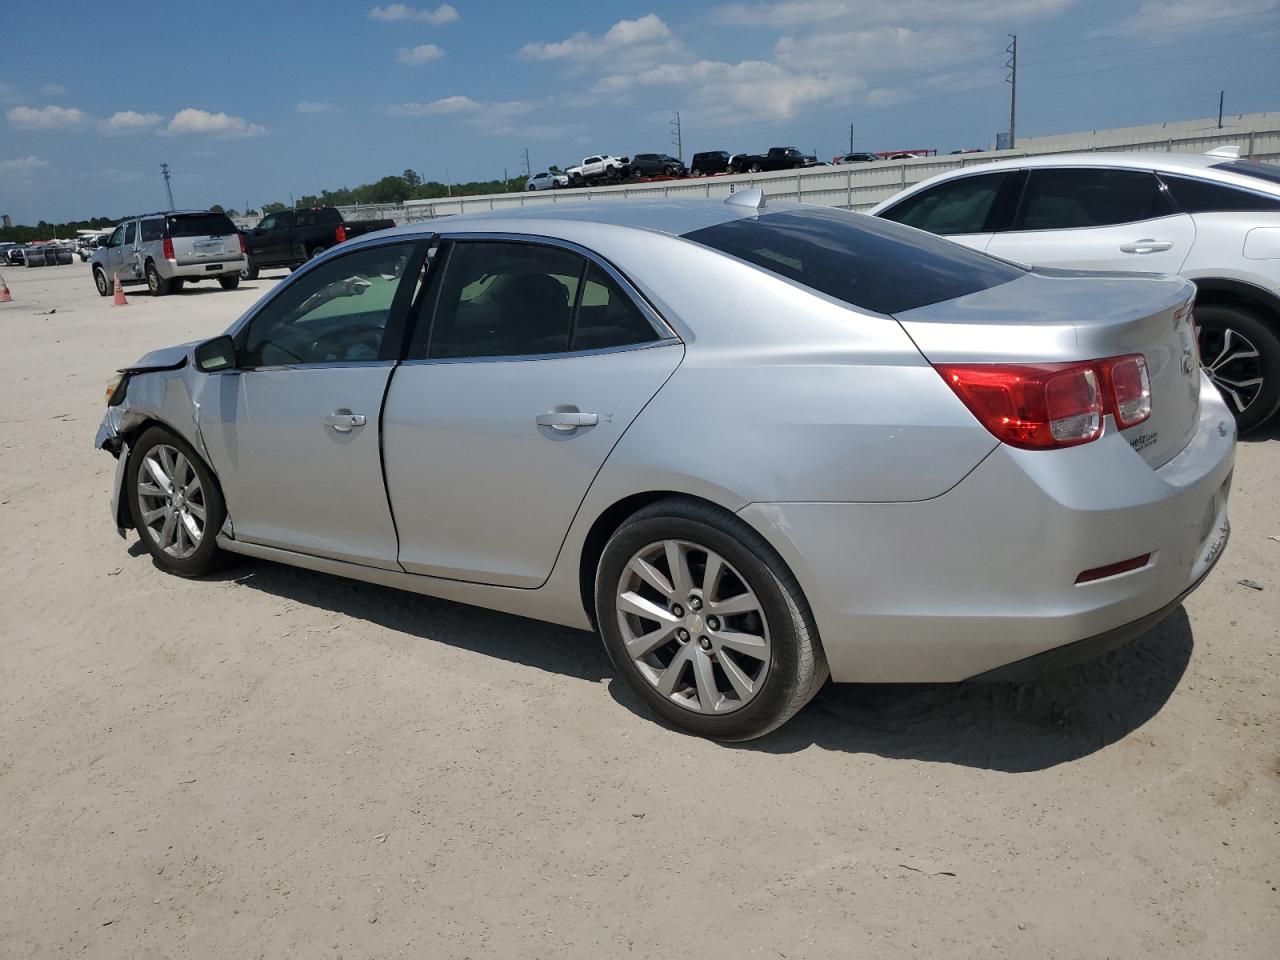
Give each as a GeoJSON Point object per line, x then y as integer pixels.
{"type": "Point", "coordinates": [1214, 219]}
{"type": "Point", "coordinates": [547, 181]}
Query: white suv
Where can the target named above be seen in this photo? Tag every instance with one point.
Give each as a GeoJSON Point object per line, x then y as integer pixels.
{"type": "Point", "coordinates": [1214, 219]}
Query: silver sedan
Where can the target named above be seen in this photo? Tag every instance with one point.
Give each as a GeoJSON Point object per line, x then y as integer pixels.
{"type": "Point", "coordinates": [752, 446]}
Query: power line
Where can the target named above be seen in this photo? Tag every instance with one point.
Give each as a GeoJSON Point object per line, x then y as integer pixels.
{"type": "Point", "coordinates": [1151, 46]}
{"type": "Point", "coordinates": [1151, 63]}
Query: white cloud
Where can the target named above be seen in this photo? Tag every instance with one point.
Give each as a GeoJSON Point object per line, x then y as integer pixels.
{"type": "Point", "coordinates": [315, 106]}
{"type": "Point", "coordinates": [46, 118]}
{"type": "Point", "coordinates": [193, 120]}
{"type": "Point", "coordinates": [1181, 13]}
{"type": "Point", "coordinates": [129, 121]}
{"type": "Point", "coordinates": [21, 165]}
{"type": "Point", "coordinates": [789, 14]}
{"type": "Point", "coordinates": [10, 94]}
{"type": "Point", "coordinates": [503, 117]}
{"type": "Point", "coordinates": [53, 90]}
{"type": "Point", "coordinates": [398, 11]}
{"type": "Point", "coordinates": [435, 107]}
{"type": "Point", "coordinates": [422, 53]}
{"type": "Point", "coordinates": [648, 34]}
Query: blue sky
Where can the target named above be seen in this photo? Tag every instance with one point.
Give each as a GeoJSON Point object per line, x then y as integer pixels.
{"type": "Point", "coordinates": [250, 102]}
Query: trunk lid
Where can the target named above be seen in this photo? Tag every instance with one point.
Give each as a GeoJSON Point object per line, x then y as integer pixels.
{"type": "Point", "coordinates": [203, 237]}
{"type": "Point", "coordinates": [1052, 316]}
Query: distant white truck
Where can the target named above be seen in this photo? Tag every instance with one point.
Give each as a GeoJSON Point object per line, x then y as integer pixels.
{"type": "Point", "coordinates": [599, 168]}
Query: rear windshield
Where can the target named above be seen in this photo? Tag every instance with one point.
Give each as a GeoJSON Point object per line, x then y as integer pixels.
{"type": "Point", "coordinates": [201, 225]}
{"type": "Point", "coordinates": [1250, 168]}
{"type": "Point", "coordinates": [864, 261]}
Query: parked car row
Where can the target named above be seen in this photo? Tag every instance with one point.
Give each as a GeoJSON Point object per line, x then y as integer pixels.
{"type": "Point", "coordinates": [607, 168]}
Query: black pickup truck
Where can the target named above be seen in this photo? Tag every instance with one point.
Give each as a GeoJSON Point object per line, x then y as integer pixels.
{"type": "Point", "coordinates": [292, 237]}
{"type": "Point", "coordinates": [778, 158]}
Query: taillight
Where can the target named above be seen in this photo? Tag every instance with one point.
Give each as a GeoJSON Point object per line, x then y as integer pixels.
{"type": "Point", "coordinates": [168, 248]}
{"type": "Point", "coordinates": [1130, 388]}
{"type": "Point", "coordinates": [341, 233]}
{"type": "Point", "coordinates": [243, 248]}
{"type": "Point", "coordinates": [1036, 407]}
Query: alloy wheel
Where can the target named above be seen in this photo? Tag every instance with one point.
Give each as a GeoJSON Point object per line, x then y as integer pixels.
{"type": "Point", "coordinates": [693, 626]}
{"type": "Point", "coordinates": [172, 501]}
{"type": "Point", "coordinates": [1233, 363]}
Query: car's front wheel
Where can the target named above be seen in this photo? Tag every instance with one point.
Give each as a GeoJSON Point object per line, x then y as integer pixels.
{"type": "Point", "coordinates": [1241, 354]}
{"type": "Point", "coordinates": [705, 623]}
{"type": "Point", "coordinates": [250, 271]}
{"type": "Point", "coordinates": [101, 282]}
{"type": "Point", "coordinates": [176, 504]}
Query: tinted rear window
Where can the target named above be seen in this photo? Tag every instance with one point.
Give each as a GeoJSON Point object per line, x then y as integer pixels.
{"type": "Point", "coordinates": [1250, 168]}
{"type": "Point", "coordinates": [864, 261]}
{"type": "Point", "coordinates": [201, 225]}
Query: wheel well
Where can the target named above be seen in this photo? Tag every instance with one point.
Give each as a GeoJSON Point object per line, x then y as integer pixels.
{"type": "Point", "coordinates": [605, 526]}
{"type": "Point", "coordinates": [1233, 293]}
{"type": "Point", "coordinates": [131, 436]}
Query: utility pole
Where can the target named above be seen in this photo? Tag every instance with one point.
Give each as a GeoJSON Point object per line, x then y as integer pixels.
{"type": "Point", "coordinates": [676, 139]}
{"type": "Point", "coordinates": [1221, 94]}
{"type": "Point", "coordinates": [1012, 79]}
{"type": "Point", "coordinates": [168, 189]}
{"type": "Point", "coordinates": [528, 170]}
{"type": "Point", "coordinates": [506, 185]}
{"type": "Point", "coordinates": [851, 138]}
{"type": "Point", "coordinates": [448, 182]}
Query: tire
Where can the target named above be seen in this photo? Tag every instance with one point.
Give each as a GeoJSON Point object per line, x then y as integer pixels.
{"type": "Point", "coordinates": [784, 679]}
{"type": "Point", "coordinates": [186, 557]}
{"type": "Point", "coordinates": [157, 284]}
{"type": "Point", "coordinates": [250, 271]}
{"type": "Point", "coordinates": [100, 281]}
{"type": "Point", "coordinates": [316, 252]}
{"type": "Point", "coordinates": [176, 285]}
{"type": "Point", "coordinates": [637, 174]}
{"type": "Point", "coordinates": [755, 168]}
{"type": "Point", "coordinates": [229, 283]}
{"type": "Point", "coordinates": [695, 172]}
{"type": "Point", "coordinates": [1228, 338]}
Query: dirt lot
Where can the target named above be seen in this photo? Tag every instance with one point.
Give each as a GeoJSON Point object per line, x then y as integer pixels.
{"type": "Point", "coordinates": [278, 762]}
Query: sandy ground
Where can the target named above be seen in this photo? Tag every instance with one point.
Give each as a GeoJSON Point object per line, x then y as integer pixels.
{"type": "Point", "coordinates": [279, 763]}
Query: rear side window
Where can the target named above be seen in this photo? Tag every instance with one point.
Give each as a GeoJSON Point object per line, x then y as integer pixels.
{"type": "Point", "coordinates": [201, 225]}
{"type": "Point", "coordinates": [957, 206]}
{"type": "Point", "coordinates": [152, 230]}
{"type": "Point", "coordinates": [607, 317]}
{"type": "Point", "coordinates": [1200, 196]}
{"type": "Point", "coordinates": [864, 261]}
{"type": "Point", "coordinates": [1067, 199]}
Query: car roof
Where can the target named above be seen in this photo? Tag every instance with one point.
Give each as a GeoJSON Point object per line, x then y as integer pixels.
{"type": "Point", "coordinates": [1204, 166]}
{"type": "Point", "coordinates": [671, 217]}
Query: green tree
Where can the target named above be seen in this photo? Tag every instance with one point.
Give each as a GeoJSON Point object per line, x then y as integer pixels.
{"type": "Point", "coordinates": [272, 208]}
{"type": "Point", "coordinates": [411, 178]}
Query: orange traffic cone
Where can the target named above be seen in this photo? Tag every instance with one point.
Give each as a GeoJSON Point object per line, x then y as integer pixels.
{"type": "Point", "coordinates": [4, 292]}
{"type": "Point", "coordinates": [119, 300]}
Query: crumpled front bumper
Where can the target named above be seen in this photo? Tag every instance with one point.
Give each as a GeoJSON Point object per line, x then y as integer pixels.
{"type": "Point", "coordinates": [108, 438]}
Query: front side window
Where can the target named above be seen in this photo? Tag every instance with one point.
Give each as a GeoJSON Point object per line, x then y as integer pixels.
{"type": "Point", "coordinates": [270, 223]}
{"type": "Point", "coordinates": [117, 236]}
{"type": "Point", "coordinates": [1200, 196]}
{"type": "Point", "coordinates": [130, 232]}
{"type": "Point", "coordinates": [152, 230]}
{"type": "Point", "coordinates": [864, 261]}
{"type": "Point", "coordinates": [1068, 199]}
{"type": "Point", "coordinates": [957, 206]}
{"type": "Point", "coordinates": [338, 312]}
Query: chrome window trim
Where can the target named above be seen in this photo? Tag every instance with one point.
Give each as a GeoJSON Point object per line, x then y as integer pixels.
{"type": "Point", "coordinates": [323, 365]}
{"type": "Point", "coordinates": [533, 357]}
{"type": "Point", "coordinates": [655, 319]}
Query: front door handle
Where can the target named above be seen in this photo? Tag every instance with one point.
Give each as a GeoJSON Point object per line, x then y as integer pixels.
{"type": "Point", "coordinates": [566, 420]}
{"type": "Point", "coordinates": [344, 421]}
{"type": "Point", "coordinates": [1146, 246]}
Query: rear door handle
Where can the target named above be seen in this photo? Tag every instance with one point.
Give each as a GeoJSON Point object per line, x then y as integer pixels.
{"type": "Point", "coordinates": [566, 420]}
{"type": "Point", "coordinates": [1146, 246]}
{"type": "Point", "coordinates": [344, 421]}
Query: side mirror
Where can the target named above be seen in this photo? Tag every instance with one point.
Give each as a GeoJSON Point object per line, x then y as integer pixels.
{"type": "Point", "coordinates": [216, 355]}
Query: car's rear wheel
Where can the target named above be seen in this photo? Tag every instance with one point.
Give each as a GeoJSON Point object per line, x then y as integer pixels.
{"type": "Point", "coordinates": [101, 282]}
{"type": "Point", "coordinates": [755, 168]}
{"type": "Point", "coordinates": [250, 271]}
{"type": "Point", "coordinates": [695, 172]}
{"type": "Point", "coordinates": [157, 284]}
{"type": "Point", "coordinates": [705, 623]}
{"type": "Point", "coordinates": [229, 283]}
{"type": "Point", "coordinates": [176, 504]}
{"type": "Point", "coordinates": [1241, 354]}
{"type": "Point", "coordinates": [317, 251]}
{"type": "Point", "coordinates": [176, 285]}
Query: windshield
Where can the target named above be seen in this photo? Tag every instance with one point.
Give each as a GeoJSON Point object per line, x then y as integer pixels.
{"type": "Point", "coordinates": [864, 261]}
{"type": "Point", "coordinates": [1251, 168]}
{"type": "Point", "coordinates": [200, 225]}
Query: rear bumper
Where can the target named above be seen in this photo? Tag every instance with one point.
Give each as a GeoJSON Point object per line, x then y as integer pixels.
{"type": "Point", "coordinates": [984, 576]}
{"type": "Point", "coordinates": [172, 270]}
